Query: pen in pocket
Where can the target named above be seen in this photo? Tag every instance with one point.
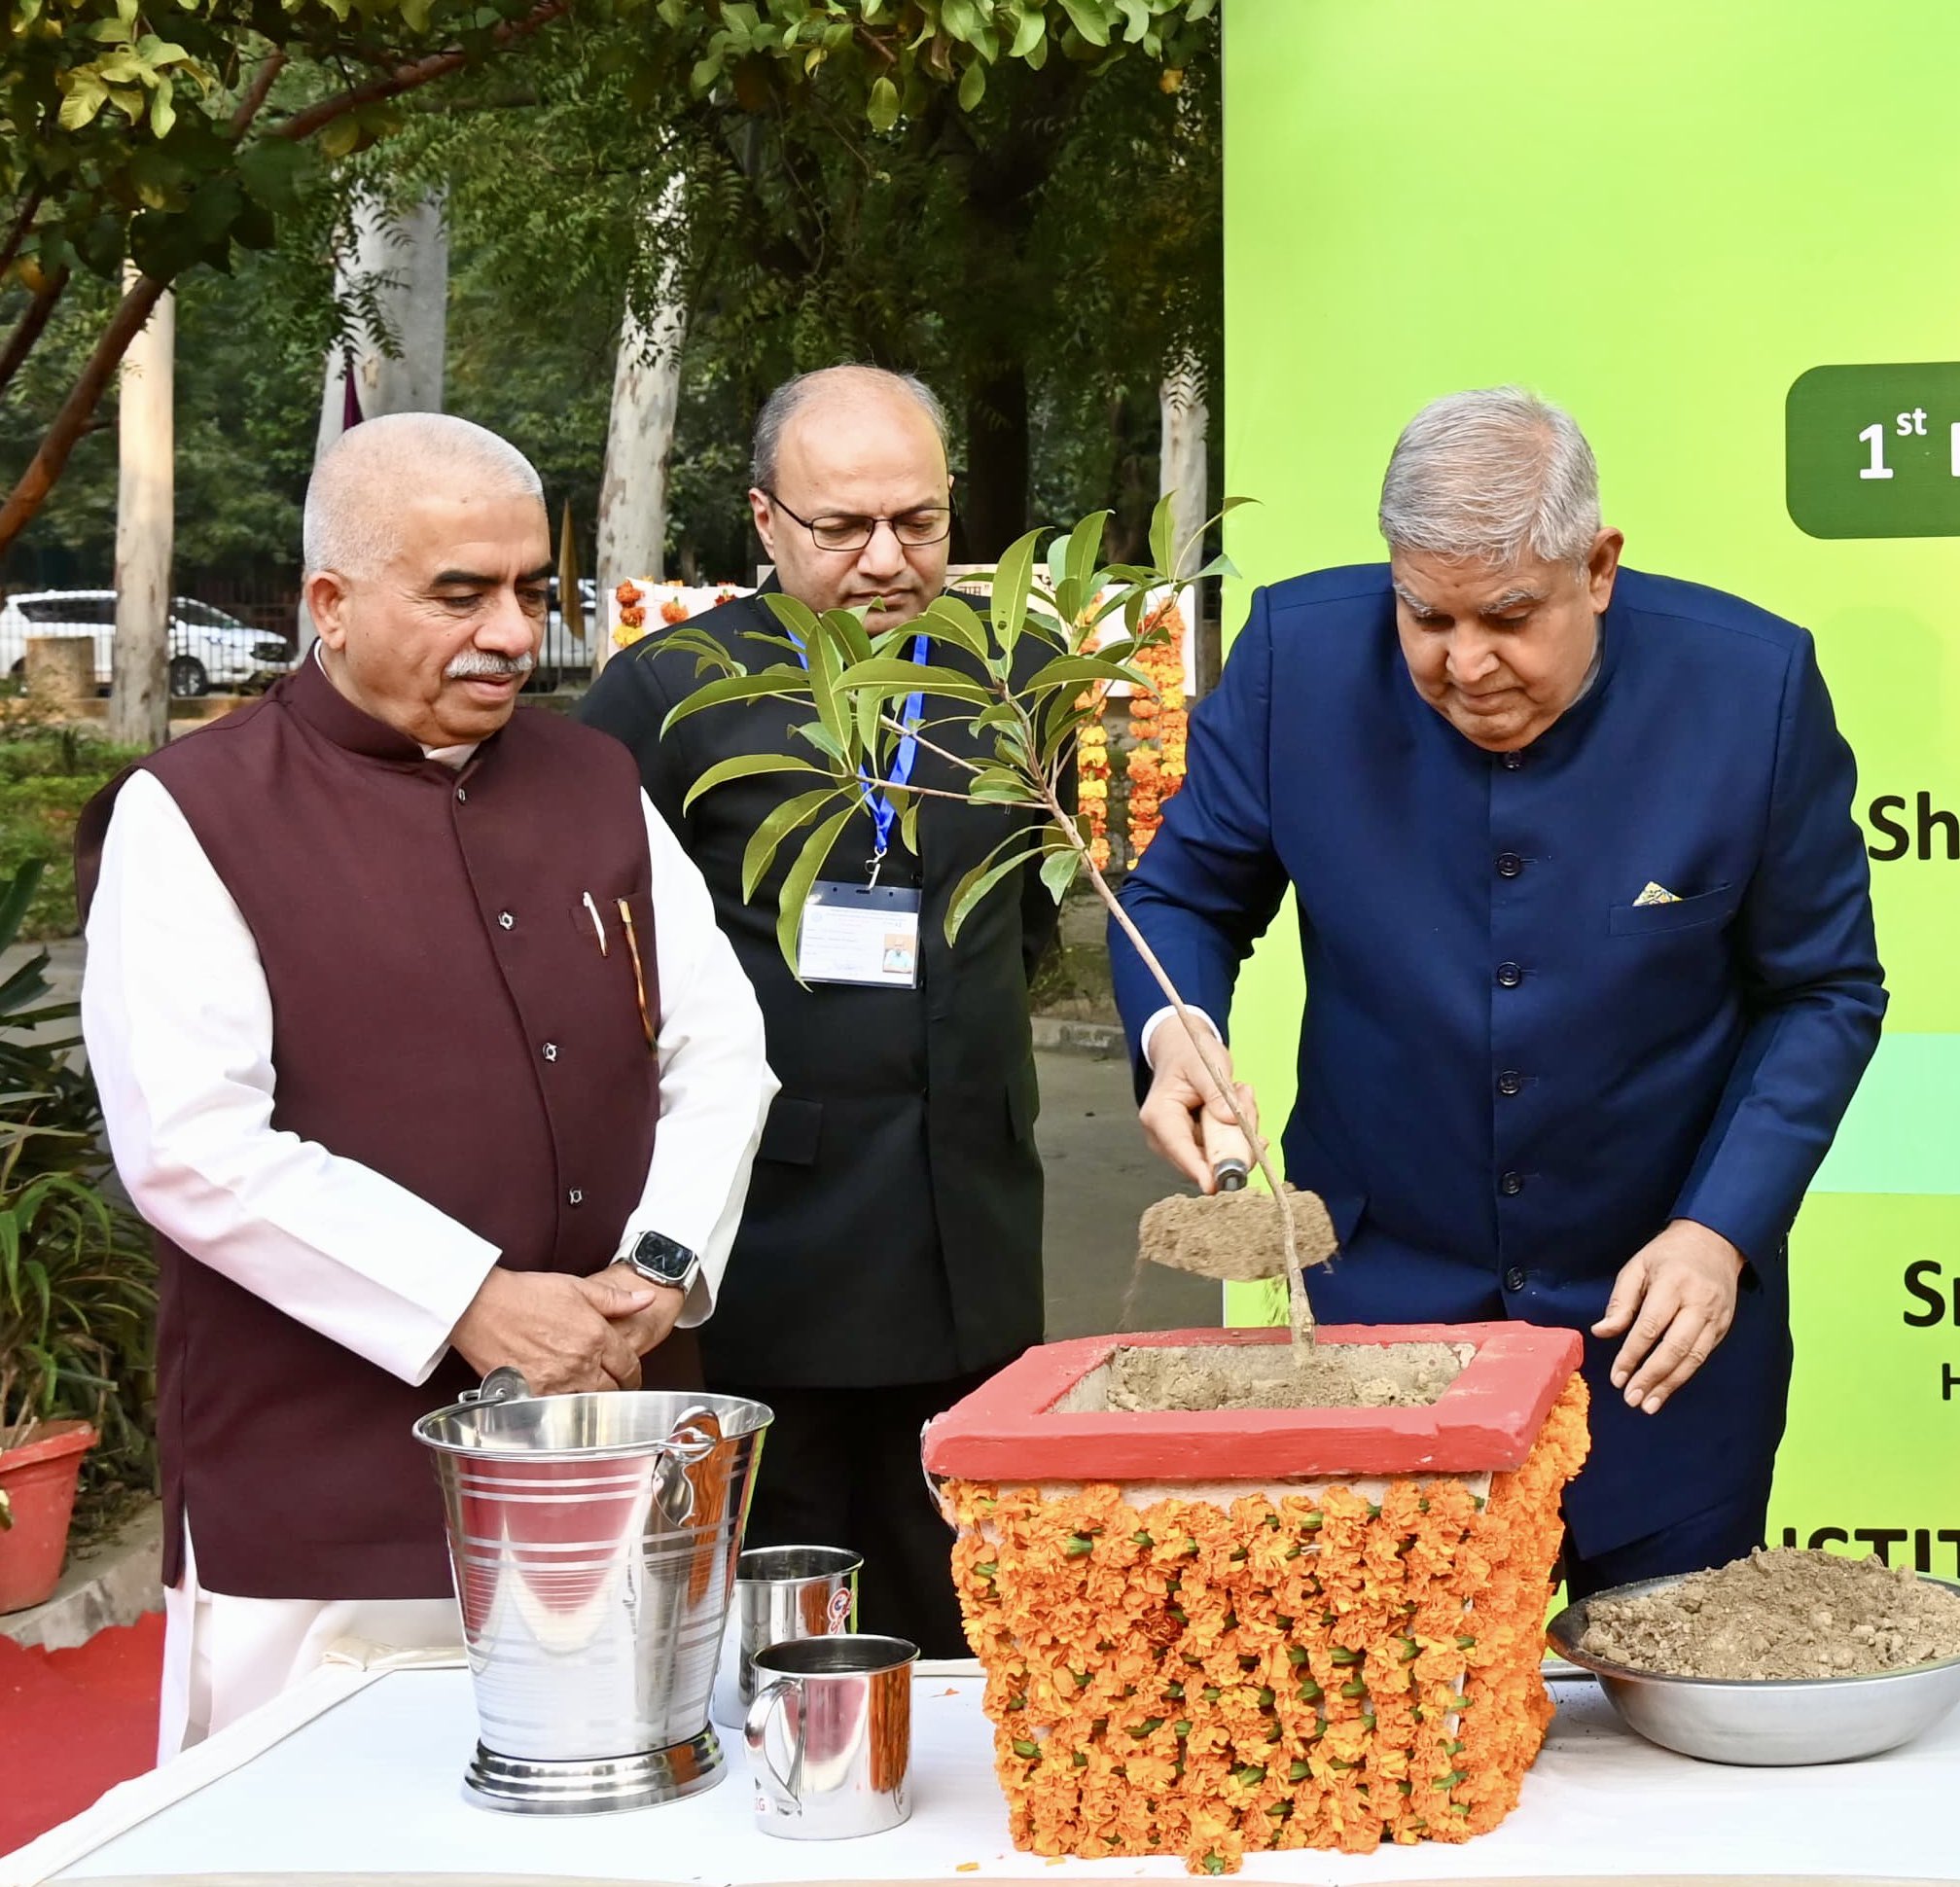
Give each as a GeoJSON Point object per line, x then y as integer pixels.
{"type": "Point", "coordinates": [639, 974]}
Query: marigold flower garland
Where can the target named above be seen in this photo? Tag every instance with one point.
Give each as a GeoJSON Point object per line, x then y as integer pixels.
{"type": "Point", "coordinates": [1321, 1671]}
{"type": "Point", "coordinates": [632, 615]}
{"type": "Point", "coordinates": [1156, 767]}
{"type": "Point", "coordinates": [1091, 766]}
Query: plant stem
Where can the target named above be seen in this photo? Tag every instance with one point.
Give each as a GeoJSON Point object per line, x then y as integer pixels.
{"type": "Point", "coordinates": [899, 727]}
{"type": "Point", "coordinates": [1301, 1311]}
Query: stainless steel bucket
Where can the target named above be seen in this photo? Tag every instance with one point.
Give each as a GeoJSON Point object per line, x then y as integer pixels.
{"type": "Point", "coordinates": [594, 1540]}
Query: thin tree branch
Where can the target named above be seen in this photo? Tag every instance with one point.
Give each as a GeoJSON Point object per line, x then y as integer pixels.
{"type": "Point", "coordinates": [270, 68]}
{"type": "Point", "coordinates": [414, 75]}
{"type": "Point", "coordinates": [20, 343]}
{"type": "Point", "coordinates": [17, 235]}
{"type": "Point", "coordinates": [899, 727]}
{"type": "Point", "coordinates": [30, 492]}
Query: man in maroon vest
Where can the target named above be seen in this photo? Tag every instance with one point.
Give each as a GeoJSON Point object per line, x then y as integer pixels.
{"type": "Point", "coordinates": [388, 988]}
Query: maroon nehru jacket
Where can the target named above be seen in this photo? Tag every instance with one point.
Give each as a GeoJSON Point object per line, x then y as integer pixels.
{"type": "Point", "coordinates": [441, 1013]}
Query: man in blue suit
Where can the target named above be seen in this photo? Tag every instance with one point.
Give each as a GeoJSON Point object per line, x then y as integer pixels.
{"type": "Point", "coordinates": [1590, 956]}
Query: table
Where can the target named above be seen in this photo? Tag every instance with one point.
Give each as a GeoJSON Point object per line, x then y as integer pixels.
{"type": "Point", "coordinates": [360, 1773]}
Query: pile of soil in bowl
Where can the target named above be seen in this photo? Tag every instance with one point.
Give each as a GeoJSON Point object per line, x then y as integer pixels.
{"type": "Point", "coordinates": [1782, 1614]}
{"type": "Point", "coordinates": [1263, 1375]}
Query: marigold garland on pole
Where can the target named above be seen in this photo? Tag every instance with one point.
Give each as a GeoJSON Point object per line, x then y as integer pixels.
{"type": "Point", "coordinates": [1156, 767]}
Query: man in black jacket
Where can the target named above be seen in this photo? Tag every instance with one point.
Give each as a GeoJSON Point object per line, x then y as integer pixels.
{"type": "Point", "coordinates": [889, 1258]}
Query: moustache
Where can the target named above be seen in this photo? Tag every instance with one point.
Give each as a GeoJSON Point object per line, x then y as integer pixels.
{"type": "Point", "coordinates": [473, 663]}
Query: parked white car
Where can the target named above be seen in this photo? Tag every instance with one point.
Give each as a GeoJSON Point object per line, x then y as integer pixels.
{"type": "Point", "coordinates": [209, 648]}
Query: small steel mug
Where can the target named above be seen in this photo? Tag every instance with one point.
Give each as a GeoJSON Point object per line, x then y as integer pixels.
{"type": "Point", "coordinates": [830, 1736]}
{"type": "Point", "coordinates": [781, 1592]}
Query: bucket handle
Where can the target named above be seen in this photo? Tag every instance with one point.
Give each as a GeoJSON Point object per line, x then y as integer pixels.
{"type": "Point", "coordinates": [504, 1384]}
{"type": "Point", "coordinates": [695, 1437]}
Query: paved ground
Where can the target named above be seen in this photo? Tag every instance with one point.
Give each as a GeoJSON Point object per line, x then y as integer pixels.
{"type": "Point", "coordinates": [1100, 1177]}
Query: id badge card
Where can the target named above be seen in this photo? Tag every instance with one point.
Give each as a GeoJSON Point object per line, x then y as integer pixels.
{"type": "Point", "coordinates": [862, 933]}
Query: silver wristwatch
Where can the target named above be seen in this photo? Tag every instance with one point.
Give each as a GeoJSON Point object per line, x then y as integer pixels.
{"type": "Point", "coordinates": [662, 1259]}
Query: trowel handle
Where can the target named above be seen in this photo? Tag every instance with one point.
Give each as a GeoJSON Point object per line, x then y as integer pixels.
{"type": "Point", "coordinates": [1227, 1151]}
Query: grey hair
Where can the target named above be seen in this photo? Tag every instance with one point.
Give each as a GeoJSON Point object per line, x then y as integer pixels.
{"type": "Point", "coordinates": [373, 469]}
{"type": "Point", "coordinates": [782, 406]}
{"type": "Point", "coordinates": [1487, 477]}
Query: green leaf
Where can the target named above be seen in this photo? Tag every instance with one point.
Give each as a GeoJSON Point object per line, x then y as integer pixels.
{"type": "Point", "coordinates": [796, 616]}
{"type": "Point", "coordinates": [162, 112]}
{"type": "Point", "coordinates": [683, 641]}
{"type": "Point", "coordinates": [1086, 17]}
{"type": "Point", "coordinates": [999, 785]}
{"type": "Point", "coordinates": [824, 741]}
{"type": "Point", "coordinates": [883, 108]}
{"type": "Point", "coordinates": [982, 879]}
{"type": "Point", "coordinates": [1079, 671]}
{"type": "Point", "coordinates": [1163, 548]}
{"type": "Point", "coordinates": [1007, 601]}
{"type": "Point", "coordinates": [84, 97]}
{"type": "Point", "coordinates": [797, 887]}
{"type": "Point", "coordinates": [761, 851]}
{"type": "Point", "coordinates": [1028, 33]}
{"type": "Point", "coordinates": [1084, 547]}
{"type": "Point", "coordinates": [790, 684]}
{"type": "Point", "coordinates": [14, 902]}
{"type": "Point", "coordinates": [1059, 872]}
{"type": "Point", "coordinates": [973, 86]}
{"type": "Point", "coordinates": [270, 169]}
{"type": "Point", "coordinates": [845, 630]}
{"type": "Point", "coordinates": [745, 766]}
{"type": "Point", "coordinates": [890, 675]}
{"type": "Point", "coordinates": [956, 620]}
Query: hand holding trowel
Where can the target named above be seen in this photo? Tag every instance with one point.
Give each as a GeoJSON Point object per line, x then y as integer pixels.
{"type": "Point", "coordinates": [1234, 1234]}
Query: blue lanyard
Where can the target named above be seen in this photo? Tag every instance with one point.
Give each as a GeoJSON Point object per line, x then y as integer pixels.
{"type": "Point", "coordinates": [884, 814]}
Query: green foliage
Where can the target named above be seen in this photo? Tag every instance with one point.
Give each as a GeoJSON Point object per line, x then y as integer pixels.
{"type": "Point", "coordinates": [77, 1281]}
{"type": "Point", "coordinates": [1025, 710]}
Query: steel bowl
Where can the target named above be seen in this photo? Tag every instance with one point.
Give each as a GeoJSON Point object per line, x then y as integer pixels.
{"type": "Point", "coordinates": [1764, 1722]}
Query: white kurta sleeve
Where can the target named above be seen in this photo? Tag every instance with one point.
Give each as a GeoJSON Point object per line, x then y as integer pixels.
{"type": "Point", "coordinates": [715, 1081]}
{"type": "Point", "coordinates": [178, 1022]}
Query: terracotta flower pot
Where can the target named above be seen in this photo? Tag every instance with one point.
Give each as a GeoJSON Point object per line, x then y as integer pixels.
{"type": "Point", "coordinates": [1209, 1632]}
{"type": "Point", "coordinates": [38, 1477]}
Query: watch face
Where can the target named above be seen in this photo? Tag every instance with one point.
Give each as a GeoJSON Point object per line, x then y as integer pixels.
{"type": "Point", "coordinates": [663, 1258]}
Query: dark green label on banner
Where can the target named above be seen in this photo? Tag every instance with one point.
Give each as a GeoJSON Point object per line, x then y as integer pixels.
{"type": "Point", "coordinates": [1875, 451]}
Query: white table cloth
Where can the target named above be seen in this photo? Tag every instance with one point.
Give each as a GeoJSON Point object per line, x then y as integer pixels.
{"type": "Point", "coordinates": [361, 1774]}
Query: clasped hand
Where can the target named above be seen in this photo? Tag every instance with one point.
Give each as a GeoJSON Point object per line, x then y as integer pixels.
{"type": "Point", "coordinates": [566, 1334]}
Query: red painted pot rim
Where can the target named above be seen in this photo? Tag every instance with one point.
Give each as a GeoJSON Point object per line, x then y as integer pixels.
{"type": "Point", "coordinates": [50, 1441]}
{"type": "Point", "coordinates": [1009, 1430]}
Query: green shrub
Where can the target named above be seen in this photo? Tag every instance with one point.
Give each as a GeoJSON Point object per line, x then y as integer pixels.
{"type": "Point", "coordinates": [47, 776]}
{"type": "Point", "coordinates": [77, 1279]}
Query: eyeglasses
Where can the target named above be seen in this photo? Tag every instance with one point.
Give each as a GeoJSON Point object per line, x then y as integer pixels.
{"type": "Point", "coordinates": [832, 531]}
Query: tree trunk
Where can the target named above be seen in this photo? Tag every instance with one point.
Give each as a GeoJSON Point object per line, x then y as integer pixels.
{"type": "Point", "coordinates": [632, 524]}
{"type": "Point", "coordinates": [139, 698]}
{"type": "Point", "coordinates": [993, 504]}
{"type": "Point", "coordinates": [408, 259]}
{"type": "Point", "coordinates": [1185, 421]}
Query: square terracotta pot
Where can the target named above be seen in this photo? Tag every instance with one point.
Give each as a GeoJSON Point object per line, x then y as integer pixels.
{"type": "Point", "coordinates": [1209, 1632]}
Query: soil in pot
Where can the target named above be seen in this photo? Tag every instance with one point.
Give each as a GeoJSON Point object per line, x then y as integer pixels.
{"type": "Point", "coordinates": [1263, 1375]}
{"type": "Point", "coordinates": [1782, 1614]}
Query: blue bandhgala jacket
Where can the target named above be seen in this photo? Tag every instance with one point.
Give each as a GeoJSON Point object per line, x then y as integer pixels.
{"type": "Point", "coordinates": [1511, 1075]}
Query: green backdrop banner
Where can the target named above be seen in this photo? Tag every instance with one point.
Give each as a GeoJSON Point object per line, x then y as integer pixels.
{"type": "Point", "coordinates": [1722, 237]}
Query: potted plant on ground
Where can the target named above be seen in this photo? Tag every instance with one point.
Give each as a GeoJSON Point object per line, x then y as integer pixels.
{"type": "Point", "coordinates": [76, 1290]}
{"type": "Point", "coordinates": [1209, 1624]}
